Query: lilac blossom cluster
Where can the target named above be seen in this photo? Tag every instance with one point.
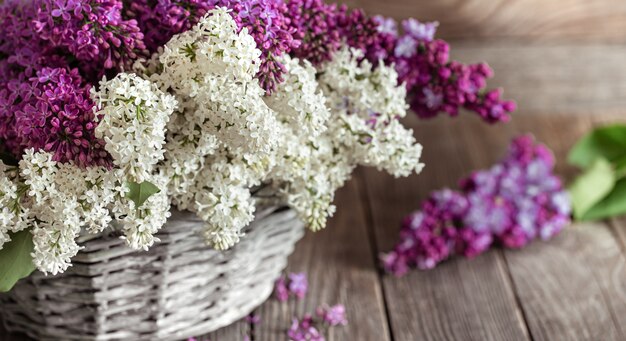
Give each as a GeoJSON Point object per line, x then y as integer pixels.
{"type": "Point", "coordinates": [435, 83]}
{"type": "Point", "coordinates": [50, 53]}
{"type": "Point", "coordinates": [510, 204]}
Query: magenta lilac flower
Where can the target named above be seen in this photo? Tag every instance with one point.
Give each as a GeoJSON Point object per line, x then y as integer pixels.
{"type": "Point", "coordinates": [51, 111]}
{"type": "Point", "coordinates": [91, 31]}
{"type": "Point", "coordinates": [512, 203]}
{"type": "Point", "coordinates": [333, 316]}
{"type": "Point", "coordinates": [161, 20]}
{"type": "Point", "coordinates": [295, 284]}
{"type": "Point", "coordinates": [305, 330]}
{"type": "Point", "coordinates": [281, 291]}
{"type": "Point", "coordinates": [315, 25]}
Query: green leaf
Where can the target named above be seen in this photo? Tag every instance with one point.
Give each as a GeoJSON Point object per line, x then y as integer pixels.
{"type": "Point", "coordinates": [139, 193]}
{"type": "Point", "coordinates": [606, 142]}
{"type": "Point", "coordinates": [613, 205]}
{"type": "Point", "coordinates": [15, 259]}
{"type": "Point", "coordinates": [592, 186]}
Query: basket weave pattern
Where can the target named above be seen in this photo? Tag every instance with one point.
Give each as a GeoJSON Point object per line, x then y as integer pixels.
{"type": "Point", "coordinates": [177, 289]}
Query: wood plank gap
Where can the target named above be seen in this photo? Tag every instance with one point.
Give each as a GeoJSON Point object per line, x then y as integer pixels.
{"type": "Point", "coordinates": [369, 221]}
{"type": "Point", "coordinates": [518, 300]}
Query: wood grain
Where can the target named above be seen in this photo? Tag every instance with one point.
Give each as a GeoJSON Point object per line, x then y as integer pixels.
{"type": "Point", "coordinates": [460, 299]}
{"type": "Point", "coordinates": [548, 78]}
{"type": "Point", "coordinates": [339, 263]}
{"type": "Point", "coordinates": [572, 288]}
{"type": "Point", "coordinates": [538, 20]}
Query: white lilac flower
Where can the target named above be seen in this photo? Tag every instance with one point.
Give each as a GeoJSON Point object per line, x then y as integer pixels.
{"type": "Point", "coordinates": [133, 115]}
{"type": "Point", "coordinates": [298, 100]}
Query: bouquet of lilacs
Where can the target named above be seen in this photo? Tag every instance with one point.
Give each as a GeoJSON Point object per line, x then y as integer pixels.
{"type": "Point", "coordinates": [113, 112]}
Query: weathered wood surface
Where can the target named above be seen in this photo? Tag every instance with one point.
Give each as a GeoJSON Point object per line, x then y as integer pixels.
{"type": "Point", "coordinates": [544, 20]}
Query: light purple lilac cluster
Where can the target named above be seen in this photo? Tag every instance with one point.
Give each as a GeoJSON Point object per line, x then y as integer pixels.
{"type": "Point", "coordinates": [512, 203]}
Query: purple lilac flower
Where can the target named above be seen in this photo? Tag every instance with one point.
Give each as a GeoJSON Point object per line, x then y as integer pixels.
{"type": "Point", "coordinates": [91, 31]}
{"type": "Point", "coordinates": [386, 25]}
{"type": "Point", "coordinates": [295, 284]}
{"type": "Point", "coordinates": [420, 31]}
{"type": "Point", "coordinates": [304, 330]}
{"type": "Point", "coordinates": [333, 316]}
{"type": "Point", "coordinates": [298, 284]}
{"type": "Point", "coordinates": [315, 25]}
{"type": "Point", "coordinates": [512, 203]}
{"type": "Point", "coordinates": [435, 84]}
{"type": "Point", "coordinates": [51, 111]}
{"type": "Point", "coordinates": [280, 290]}
{"type": "Point", "coordinates": [161, 20]}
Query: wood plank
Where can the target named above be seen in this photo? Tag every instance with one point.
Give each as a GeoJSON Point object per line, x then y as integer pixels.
{"type": "Point", "coordinates": [340, 265]}
{"type": "Point", "coordinates": [574, 287]}
{"type": "Point", "coordinates": [549, 78]}
{"type": "Point", "coordinates": [546, 20]}
{"type": "Point", "coordinates": [619, 229]}
{"type": "Point", "coordinates": [460, 299]}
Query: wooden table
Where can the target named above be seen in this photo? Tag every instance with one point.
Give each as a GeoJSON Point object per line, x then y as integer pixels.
{"type": "Point", "coordinates": [570, 288]}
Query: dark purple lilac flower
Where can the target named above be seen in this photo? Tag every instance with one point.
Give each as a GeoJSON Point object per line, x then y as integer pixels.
{"type": "Point", "coordinates": [315, 26]}
{"type": "Point", "coordinates": [512, 203]}
{"type": "Point", "coordinates": [161, 20]}
{"type": "Point", "coordinates": [92, 32]}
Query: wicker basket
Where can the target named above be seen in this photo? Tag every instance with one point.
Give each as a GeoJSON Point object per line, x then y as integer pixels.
{"type": "Point", "coordinates": [178, 289]}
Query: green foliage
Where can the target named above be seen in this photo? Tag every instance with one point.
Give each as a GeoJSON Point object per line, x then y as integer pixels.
{"type": "Point", "coordinates": [606, 142]}
{"type": "Point", "coordinates": [15, 259]}
{"type": "Point", "coordinates": [600, 192]}
{"type": "Point", "coordinates": [592, 186]}
{"type": "Point", "coordinates": [139, 193]}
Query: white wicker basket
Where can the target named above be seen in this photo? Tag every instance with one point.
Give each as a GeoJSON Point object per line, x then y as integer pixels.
{"type": "Point", "coordinates": [178, 289]}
